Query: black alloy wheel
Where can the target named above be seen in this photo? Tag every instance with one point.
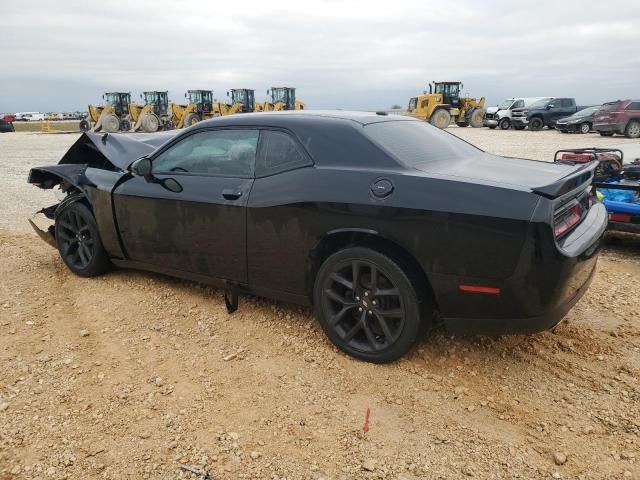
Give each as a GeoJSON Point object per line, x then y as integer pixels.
{"type": "Point", "coordinates": [78, 240]}
{"type": "Point", "coordinates": [367, 305]}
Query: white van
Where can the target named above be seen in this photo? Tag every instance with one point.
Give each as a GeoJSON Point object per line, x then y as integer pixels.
{"type": "Point", "coordinates": [500, 115]}
{"type": "Point", "coordinates": [29, 117]}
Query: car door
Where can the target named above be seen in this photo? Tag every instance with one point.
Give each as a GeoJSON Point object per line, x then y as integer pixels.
{"type": "Point", "coordinates": [276, 237]}
{"type": "Point", "coordinates": [191, 214]}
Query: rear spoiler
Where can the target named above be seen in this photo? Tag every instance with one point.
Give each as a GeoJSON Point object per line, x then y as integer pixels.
{"type": "Point", "coordinates": [582, 175]}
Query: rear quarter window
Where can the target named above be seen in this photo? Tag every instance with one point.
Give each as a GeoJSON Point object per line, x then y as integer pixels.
{"type": "Point", "coordinates": [415, 142]}
{"type": "Point", "coordinates": [633, 106]}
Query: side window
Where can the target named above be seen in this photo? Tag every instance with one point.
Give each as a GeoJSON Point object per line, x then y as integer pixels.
{"type": "Point", "coordinates": [567, 103]}
{"type": "Point", "coordinates": [279, 152]}
{"type": "Point", "coordinates": [633, 106]}
{"type": "Point", "coordinates": [225, 153]}
{"type": "Point", "coordinates": [517, 104]}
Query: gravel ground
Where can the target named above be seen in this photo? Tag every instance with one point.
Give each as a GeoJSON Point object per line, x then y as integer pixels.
{"type": "Point", "coordinates": [130, 375]}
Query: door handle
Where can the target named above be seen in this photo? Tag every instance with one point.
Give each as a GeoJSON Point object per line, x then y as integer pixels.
{"type": "Point", "coordinates": [231, 194]}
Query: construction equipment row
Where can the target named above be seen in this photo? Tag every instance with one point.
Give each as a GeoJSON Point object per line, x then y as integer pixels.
{"type": "Point", "coordinates": [156, 113]}
{"type": "Point", "coordinates": [443, 104]}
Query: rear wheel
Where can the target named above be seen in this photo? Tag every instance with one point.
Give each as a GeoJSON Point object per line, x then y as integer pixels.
{"type": "Point", "coordinates": [110, 123]}
{"type": "Point", "coordinates": [85, 126]}
{"type": "Point", "coordinates": [150, 123]}
{"type": "Point", "coordinates": [191, 119]}
{"type": "Point", "coordinates": [78, 241]}
{"type": "Point", "coordinates": [504, 124]}
{"type": "Point", "coordinates": [633, 129]}
{"type": "Point", "coordinates": [367, 305]}
{"type": "Point", "coordinates": [536, 124]}
{"type": "Point", "coordinates": [441, 118]}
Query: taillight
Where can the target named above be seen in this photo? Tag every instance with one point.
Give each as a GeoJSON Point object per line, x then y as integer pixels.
{"type": "Point", "coordinates": [567, 219]}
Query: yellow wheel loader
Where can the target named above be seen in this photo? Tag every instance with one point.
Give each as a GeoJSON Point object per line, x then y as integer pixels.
{"type": "Point", "coordinates": [153, 115]}
{"type": "Point", "coordinates": [282, 98]}
{"type": "Point", "coordinates": [242, 101]}
{"type": "Point", "coordinates": [443, 104]}
{"type": "Point", "coordinates": [200, 107]}
{"type": "Point", "coordinates": [111, 117]}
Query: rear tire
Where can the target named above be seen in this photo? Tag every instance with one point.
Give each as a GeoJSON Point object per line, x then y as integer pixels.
{"type": "Point", "coordinates": [85, 125]}
{"type": "Point", "coordinates": [191, 119]}
{"type": "Point", "coordinates": [150, 123]}
{"type": "Point", "coordinates": [367, 305]}
{"type": "Point", "coordinates": [78, 240]}
{"type": "Point", "coordinates": [633, 129]}
{"type": "Point", "coordinates": [536, 124]}
{"type": "Point", "coordinates": [110, 123]}
{"type": "Point", "coordinates": [504, 124]}
{"type": "Point", "coordinates": [441, 118]}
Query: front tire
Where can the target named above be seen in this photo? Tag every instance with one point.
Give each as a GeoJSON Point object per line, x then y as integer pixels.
{"type": "Point", "coordinates": [536, 124]}
{"type": "Point", "coordinates": [150, 123]}
{"type": "Point", "coordinates": [78, 240]}
{"type": "Point", "coordinates": [367, 305]}
{"type": "Point", "coordinates": [585, 127]}
{"type": "Point", "coordinates": [191, 119]}
{"type": "Point", "coordinates": [441, 118]}
{"type": "Point", "coordinates": [504, 124]}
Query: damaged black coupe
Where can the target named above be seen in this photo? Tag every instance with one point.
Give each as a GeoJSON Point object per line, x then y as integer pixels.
{"type": "Point", "coordinates": [384, 224]}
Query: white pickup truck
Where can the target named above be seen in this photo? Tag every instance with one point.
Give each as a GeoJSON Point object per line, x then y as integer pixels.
{"type": "Point", "coordinates": [500, 115]}
{"type": "Point", "coordinates": [29, 117]}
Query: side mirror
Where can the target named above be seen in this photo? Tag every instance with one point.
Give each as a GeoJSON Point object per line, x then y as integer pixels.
{"type": "Point", "coordinates": [549, 107]}
{"type": "Point", "coordinates": [141, 167]}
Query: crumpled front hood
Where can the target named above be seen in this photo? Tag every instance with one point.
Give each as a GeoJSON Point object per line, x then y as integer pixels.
{"type": "Point", "coordinates": [493, 109]}
{"type": "Point", "coordinates": [114, 151]}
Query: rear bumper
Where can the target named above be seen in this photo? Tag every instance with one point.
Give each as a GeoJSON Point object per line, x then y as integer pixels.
{"type": "Point", "coordinates": [550, 279]}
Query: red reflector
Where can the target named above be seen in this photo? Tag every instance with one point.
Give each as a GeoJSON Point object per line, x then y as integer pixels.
{"type": "Point", "coordinates": [479, 289]}
{"type": "Point", "coordinates": [620, 217]}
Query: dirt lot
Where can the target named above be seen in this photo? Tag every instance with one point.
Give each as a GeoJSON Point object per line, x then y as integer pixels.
{"type": "Point", "coordinates": [131, 374]}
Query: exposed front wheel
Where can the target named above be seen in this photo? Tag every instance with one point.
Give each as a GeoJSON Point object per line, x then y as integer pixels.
{"type": "Point", "coordinates": [85, 126]}
{"type": "Point", "coordinates": [441, 118]}
{"type": "Point", "coordinates": [150, 123]}
{"type": "Point", "coordinates": [585, 127]}
{"type": "Point", "coordinates": [367, 305]}
{"type": "Point", "coordinates": [504, 124]}
{"type": "Point", "coordinates": [78, 241]}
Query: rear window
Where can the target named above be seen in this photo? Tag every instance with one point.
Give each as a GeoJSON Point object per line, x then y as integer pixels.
{"type": "Point", "coordinates": [415, 142]}
{"type": "Point", "coordinates": [609, 106]}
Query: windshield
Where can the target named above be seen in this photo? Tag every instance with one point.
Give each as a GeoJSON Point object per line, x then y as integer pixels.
{"type": "Point", "coordinates": [238, 96]}
{"type": "Point", "coordinates": [505, 105]}
{"type": "Point", "coordinates": [195, 96]}
{"type": "Point", "coordinates": [150, 98]}
{"type": "Point", "coordinates": [586, 112]}
{"type": "Point", "coordinates": [280, 95]}
{"type": "Point", "coordinates": [540, 103]}
{"type": "Point", "coordinates": [415, 142]}
{"type": "Point", "coordinates": [451, 89]}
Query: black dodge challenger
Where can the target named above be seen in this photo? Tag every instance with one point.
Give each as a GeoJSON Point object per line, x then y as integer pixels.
{"type": "Point", "coordinates": [383, 223]}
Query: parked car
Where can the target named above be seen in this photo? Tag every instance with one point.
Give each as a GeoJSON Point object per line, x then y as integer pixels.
{"type": "Point", "coordinates": [500, 115]}
{"type": "Point", "coordinates": [383, 223]}
{"type": "Point", "coordinates": [29, 117]}
{"type": "Point", "coordinates": [622, 116]}
{"type": "Point", "coordinates": [543, 113]}
{"type": "Point", "coordinates": [6, 126]}
{"type": "Point", "coordinates": [9, 117]}
{"type": "Point", "coordinates": [581, 122]}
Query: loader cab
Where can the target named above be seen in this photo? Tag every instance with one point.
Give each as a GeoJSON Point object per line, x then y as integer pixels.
{"type": "Point", "coordinates": [245, 97]}
{"type": "Point", "coordinates": [286, 95]}
{"type": "Point", "coordinates": [450, 92]}
{"type": "Point", "coordinates": [119, 101]}
{"type": "Point", "coordinates": [159, 100]}
{"type": "Point", "coordinates": [202, 99]}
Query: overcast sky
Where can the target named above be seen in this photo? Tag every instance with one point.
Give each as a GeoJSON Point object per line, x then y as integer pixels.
{"type": "Point", "coordinates": [61, 55]}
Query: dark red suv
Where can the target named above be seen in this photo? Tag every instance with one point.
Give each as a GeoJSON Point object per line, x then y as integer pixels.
{"type": "Point", "coordinates": [622, 116]}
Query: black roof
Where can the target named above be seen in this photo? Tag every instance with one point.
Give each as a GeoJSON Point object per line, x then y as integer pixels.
{"type": "Point", "coordinates": [292, 117]}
